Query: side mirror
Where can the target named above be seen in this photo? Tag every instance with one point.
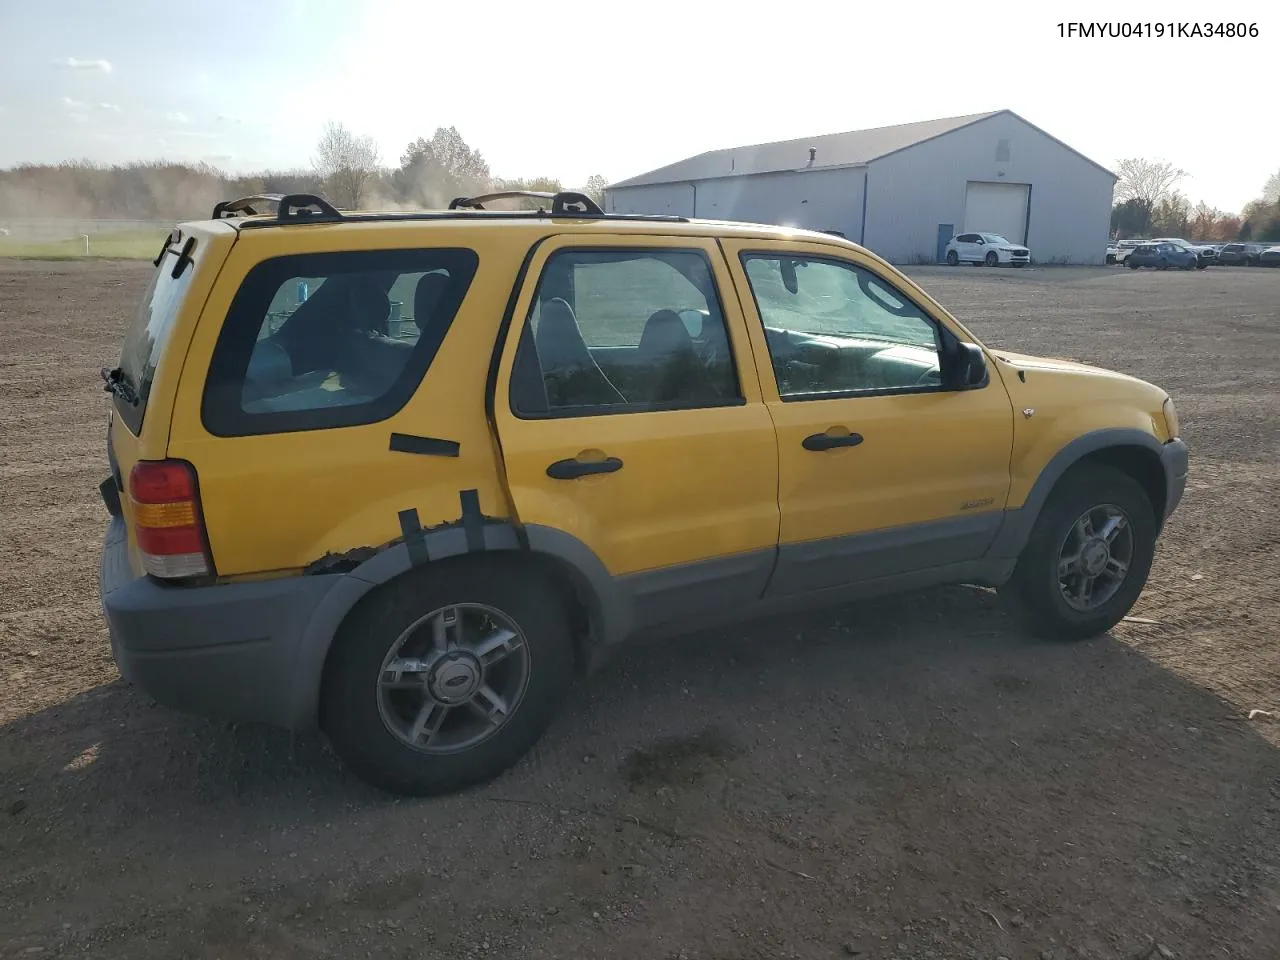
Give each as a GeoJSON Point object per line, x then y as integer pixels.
{"type": "Point", "coordinates": [968, 367]}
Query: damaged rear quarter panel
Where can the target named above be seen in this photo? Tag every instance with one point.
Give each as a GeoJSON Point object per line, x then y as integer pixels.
{"type": "Point", "coordinates": [279, 502]}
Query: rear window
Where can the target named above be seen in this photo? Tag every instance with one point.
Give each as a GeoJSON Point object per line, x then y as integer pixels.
{"type": "Point", "coordinates": [318, 341]}
{"type": "Point", "coordinates": [146, 336]}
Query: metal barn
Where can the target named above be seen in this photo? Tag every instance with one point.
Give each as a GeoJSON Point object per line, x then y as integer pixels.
{"type": "Point", "coordinates": [902, 191]}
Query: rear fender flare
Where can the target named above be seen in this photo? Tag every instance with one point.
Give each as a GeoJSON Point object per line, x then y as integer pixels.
{"type": "Point", "coordinates": [609, 615]}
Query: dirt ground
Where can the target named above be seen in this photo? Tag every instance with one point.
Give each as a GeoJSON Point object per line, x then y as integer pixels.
{"type": "Point", "coordinates": [910, 778]}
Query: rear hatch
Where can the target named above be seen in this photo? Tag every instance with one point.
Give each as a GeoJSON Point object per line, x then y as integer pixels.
{"type": "Point", "coordinates": [144, 382]}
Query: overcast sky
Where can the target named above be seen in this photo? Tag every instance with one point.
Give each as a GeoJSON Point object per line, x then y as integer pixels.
{"type": "Point", "coordinates": [568, 89]}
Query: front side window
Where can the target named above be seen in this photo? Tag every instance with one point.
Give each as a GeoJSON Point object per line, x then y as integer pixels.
{"type": "Point", "coordinates": [330, 340]}
{"type": "Point", "coordinates": [836, 328]}
{"type": "Point", "coordinates": [616, 331]}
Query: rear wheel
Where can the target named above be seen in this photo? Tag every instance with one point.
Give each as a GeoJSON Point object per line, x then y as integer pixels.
{"type": "Point", "coordinates": [992, 259]}
{"type": "Point", "coordinates": [953, 258]}
{"type": "Point", "coordinates": [447, 677]}
{"type": "Point", "coordinates": [1088, 556]}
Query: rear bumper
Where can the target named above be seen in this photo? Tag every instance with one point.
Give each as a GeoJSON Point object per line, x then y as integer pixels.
{"type": "Point", "coordinates": [1175, 457]}
{"type": "Point", "coordinates": [231, 651]}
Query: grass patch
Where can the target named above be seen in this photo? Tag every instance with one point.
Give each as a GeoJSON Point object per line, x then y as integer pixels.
{"type": "Point", "coordinates": [128, 245]}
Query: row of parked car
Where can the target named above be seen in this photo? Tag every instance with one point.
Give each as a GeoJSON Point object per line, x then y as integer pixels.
{"type": "Point", "coordinates": [1165, 252]}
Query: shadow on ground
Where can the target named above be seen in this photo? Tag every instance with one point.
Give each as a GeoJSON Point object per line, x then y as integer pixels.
{"type": "Point", "coordinates": [915, 778]}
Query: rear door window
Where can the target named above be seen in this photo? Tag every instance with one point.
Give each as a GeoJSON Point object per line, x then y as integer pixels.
{"type": "Point", "coordinates": [318, 341]}
{"type": "Point", "coordinates": [146, 336]}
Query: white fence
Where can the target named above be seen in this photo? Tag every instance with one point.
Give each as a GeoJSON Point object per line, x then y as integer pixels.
{"type": "Point", "coordinates": [51, 228]}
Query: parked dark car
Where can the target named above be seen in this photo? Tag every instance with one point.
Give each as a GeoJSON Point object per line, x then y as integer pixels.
{"type": "Point", "coordinates": [1269, 257]}
{"type": "Point", "coordinates": [1240, 254]}
{"type": "Point", "coordinates": [1162, 256]}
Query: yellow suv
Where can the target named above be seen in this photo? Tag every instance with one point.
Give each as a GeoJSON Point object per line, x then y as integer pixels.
{"type": "Point", "coordinates": [399, 475]}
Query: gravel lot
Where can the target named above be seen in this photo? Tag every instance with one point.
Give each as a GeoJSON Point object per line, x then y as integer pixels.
{"type": "Point", "coordinates": [910, 778]}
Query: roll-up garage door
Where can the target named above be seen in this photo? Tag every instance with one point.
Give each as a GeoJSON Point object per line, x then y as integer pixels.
{"type": "Point", "coordinates": [997, 208]}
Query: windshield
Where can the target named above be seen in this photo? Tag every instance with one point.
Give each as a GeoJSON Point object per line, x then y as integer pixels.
{"type": "Point", "coordinates": [993, 238]}
{"type": "Point", "coordinates": [146, 336]}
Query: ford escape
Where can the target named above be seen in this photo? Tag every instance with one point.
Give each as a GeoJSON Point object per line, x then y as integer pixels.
{"type": "Point", "coordinates": [398, 476]}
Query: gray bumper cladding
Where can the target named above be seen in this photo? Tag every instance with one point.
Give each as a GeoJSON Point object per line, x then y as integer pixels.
{"type": "Point", "coordinates": [225, 651]}
{"type": "Point", "coordinates": [1175, 457]}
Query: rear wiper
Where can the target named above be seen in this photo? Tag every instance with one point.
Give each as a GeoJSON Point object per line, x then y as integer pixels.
{"type": "Point", "coordinates": [117, 381]}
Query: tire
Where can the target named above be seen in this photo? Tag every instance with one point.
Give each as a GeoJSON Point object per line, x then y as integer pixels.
{"type": "Point", "coordinates": [1111, 259]}
{"type": "Point", "coordinates": [1039, 590]}
{"type": "Point", "coordinates": [992, 259]}
{"type": "Point", "coordinates": [357, 712]}
{"type": "Point", "coordinates": [953, 258]}
{"type": "Point", "coordinates": [1131, 265]}
{"type": "Point", "coordinates": [1196, 265]}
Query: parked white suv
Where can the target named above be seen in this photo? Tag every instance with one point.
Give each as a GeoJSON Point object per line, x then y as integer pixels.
{"type": "Point", "coordinates": [989, 248]}
{"type": "Point", "coordinates": [1118, 251]}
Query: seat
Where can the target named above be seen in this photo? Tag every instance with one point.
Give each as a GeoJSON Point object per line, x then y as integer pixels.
{"type": "Point", "coordinates": [427, 297]}
{"type": "Point", "coordinates": [673, 369]}
{"type": "Point", "coordinates": [320, 333]}
{"type": "Point", "coordinates": [571, 374]}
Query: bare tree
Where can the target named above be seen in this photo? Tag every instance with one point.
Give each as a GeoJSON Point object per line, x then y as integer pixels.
{"type": "Point", "coordinates": [1147, 180]}
{"type": "Point", "coordinates": [1146, 185]}
{"type": "Point", "coordinates": [347, 163]}
{"type": "Point", "coordinates": [1271, 189]}
{"type": "Point", "coordinates": [433, 172]}
{"type": "Point", "coordinates": [595, 188]}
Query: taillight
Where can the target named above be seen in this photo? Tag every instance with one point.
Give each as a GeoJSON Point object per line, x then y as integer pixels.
{"type": "Point", "coordinates": [168, 525]}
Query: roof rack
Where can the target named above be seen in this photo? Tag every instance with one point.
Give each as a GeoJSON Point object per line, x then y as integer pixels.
{"type": "Point", "coordinates": [290, 208]}
{"type": "Point", "coordinates": [565, 203]}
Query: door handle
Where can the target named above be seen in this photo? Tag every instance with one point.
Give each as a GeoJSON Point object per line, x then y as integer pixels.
{"type": "Point", "coordinates": [571, 469]}
{"type": "Point", "coordinates": [826, 441]}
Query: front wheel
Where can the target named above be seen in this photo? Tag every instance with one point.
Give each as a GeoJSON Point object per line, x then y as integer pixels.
{"type": "Point", "coordinates": [1088, 556]}
{"type": "Point", "coordinates": [1132, 265]}
{"type": "Point", "coordinates": [992, 259]}
{"type": "Point", "coordinates": [953, 258]}
{"type": "Point", "coordinates": [447, 676]}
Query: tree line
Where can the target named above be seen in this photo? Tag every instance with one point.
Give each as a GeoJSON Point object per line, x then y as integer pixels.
{"type": "Point", "coordinates": [346, 169]}
{"type": "Point", "coordinates": [1148, 203]}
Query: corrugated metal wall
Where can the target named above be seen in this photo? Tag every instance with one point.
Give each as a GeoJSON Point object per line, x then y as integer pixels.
{"type": "Point", "coordinates": [910, 193]}
{"type": "Point", "coordinates": [816, 200]}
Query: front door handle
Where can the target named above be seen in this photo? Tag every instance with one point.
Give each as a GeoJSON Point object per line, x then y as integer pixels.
{"type": "Point", "coordinates": [571, 469]}
{"type": "Point", "coordinates": [826, 441]}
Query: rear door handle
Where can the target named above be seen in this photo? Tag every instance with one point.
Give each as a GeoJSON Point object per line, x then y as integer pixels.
{"type": "Point", "coordinates": [571, 469]}
{"type": "Point", "coordinates": [826, 441]}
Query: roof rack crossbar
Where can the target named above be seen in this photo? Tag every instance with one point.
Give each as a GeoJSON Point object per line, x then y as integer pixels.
{"type": "Point", "coordinates": [565, 203]}
{"type": "Point", "coordinates": [289, 207]}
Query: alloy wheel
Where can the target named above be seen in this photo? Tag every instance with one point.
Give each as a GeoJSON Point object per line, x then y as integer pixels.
{"type": "Point", "coordinates": [1095, 556]}
{"type": "Point", "coordinates": [453, 678]}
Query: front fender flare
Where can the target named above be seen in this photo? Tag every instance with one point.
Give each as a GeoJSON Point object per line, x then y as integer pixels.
{"type": "Point", "coordinates": [1016, 527]}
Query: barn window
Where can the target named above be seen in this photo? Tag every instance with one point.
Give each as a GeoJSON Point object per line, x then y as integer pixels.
{"type": "Point", "coordinates": [1002, 151]}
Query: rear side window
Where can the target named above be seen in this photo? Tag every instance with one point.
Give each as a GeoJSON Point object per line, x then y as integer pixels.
{"type": "Point", "coordinates": [146, 336]}
{"type": "Point", "coordinates": [318, 341]}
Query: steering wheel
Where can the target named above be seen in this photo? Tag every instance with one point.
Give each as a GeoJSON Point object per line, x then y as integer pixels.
{"type": "Point", "coordinates": [929, 378]}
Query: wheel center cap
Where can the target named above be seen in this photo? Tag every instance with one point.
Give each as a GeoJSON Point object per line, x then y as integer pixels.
{"type": "Point", "coordinates": [1094, 557]}
{"type": "Point", "coordinates": [455, 678]}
